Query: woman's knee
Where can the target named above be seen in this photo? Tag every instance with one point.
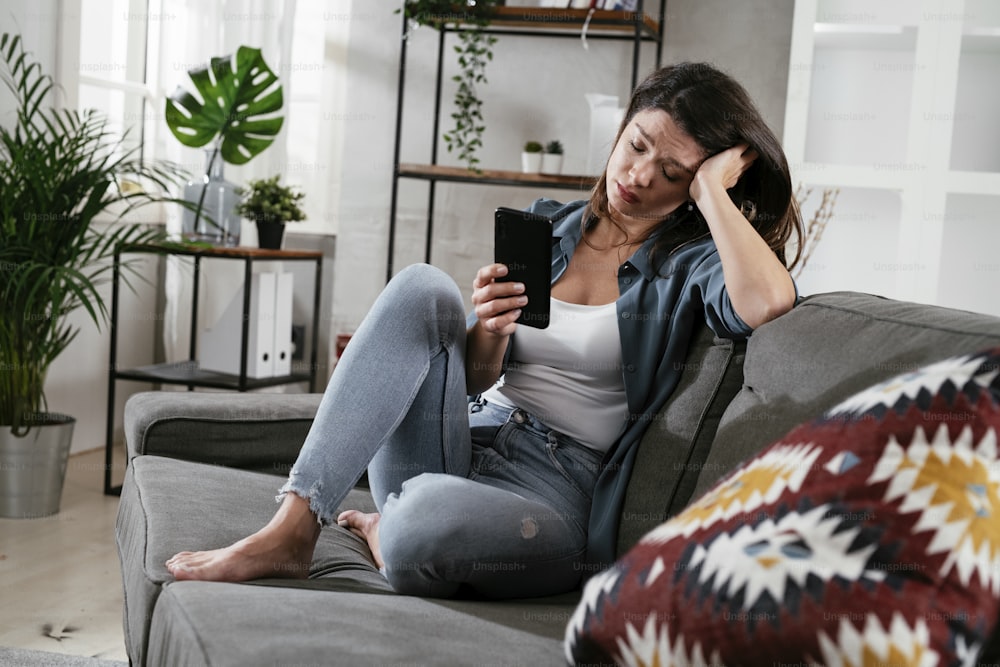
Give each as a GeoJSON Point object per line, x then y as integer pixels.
{"type": "Point", "coordinates": [431, 292]}
{"type": "Point", "coordinates": [429, 280]}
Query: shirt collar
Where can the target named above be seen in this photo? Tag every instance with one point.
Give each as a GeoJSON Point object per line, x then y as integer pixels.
{"type": "Point", "coordinates": [569, 231]}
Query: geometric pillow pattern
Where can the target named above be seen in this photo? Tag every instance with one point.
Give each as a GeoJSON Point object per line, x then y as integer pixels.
{"type": "Point", "coordinates": [868, 536]}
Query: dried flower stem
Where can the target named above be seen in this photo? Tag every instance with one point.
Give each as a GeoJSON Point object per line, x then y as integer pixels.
{"type": "Point", "coordinates": [817, 223]}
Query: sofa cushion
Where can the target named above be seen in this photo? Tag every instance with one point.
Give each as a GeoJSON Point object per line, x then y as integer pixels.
{"type": "Point", "coordinates": [677, 442]}
{"type": "Point", "coordinates": [870, 533]}
{"type": "Point", "coordinates": [826, 349]}
{"type": "Point", "coordinates": [201, 623]}
{"type": "Point", "coordinates": [169, 505]}
{"type": "Point", "coordinates": [338, 613]}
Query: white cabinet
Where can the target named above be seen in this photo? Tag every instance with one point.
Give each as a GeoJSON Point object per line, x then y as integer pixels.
{"type": "Point", "coordinates": [896, 103]}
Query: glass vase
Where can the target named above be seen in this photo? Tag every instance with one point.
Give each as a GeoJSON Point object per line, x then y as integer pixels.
{"type": "Point", "coordinates": [218, 222]}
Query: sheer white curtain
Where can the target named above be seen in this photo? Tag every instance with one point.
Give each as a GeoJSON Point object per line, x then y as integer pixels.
{"type": "Point", "coordinates": [186, 34]}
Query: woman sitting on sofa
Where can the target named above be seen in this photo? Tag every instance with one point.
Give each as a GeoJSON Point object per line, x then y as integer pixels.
{"type": "Point", "coordinates": [518, 492]}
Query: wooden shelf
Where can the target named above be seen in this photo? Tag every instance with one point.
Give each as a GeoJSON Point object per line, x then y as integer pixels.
{"type": "Point", "coordinates": [434, 172]}
{"type": "Point", "coordinates": [551, 18]}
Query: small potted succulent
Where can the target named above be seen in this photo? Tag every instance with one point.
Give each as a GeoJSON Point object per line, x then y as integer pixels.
{"type": "Point", "coordinates": [531, 157]}
{"type": "Point", "coordinates": [270, 205]}
{"type": "Point", "coordinates": [552, 158]}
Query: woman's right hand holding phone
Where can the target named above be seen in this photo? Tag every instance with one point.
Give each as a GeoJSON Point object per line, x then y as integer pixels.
{"type": "Point", "coordinates": [497, 303]}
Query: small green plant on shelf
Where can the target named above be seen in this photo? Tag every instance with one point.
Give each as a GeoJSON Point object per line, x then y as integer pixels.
{"type": "Point", "coordinates": [552, 158]}
{"type": "Point", "coordinates": [266, 200]}
{"type": "Point", "coordinates": [531, 157]}
{"type": "Point", "coordinates": [475, 50]}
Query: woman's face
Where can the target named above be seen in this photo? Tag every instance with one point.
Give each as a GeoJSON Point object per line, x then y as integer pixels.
{"type": "Point", "coordinates": [650, 171]}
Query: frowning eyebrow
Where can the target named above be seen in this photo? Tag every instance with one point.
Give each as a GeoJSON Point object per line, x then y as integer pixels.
{"type": "Point", "coordinates": [671, 161]}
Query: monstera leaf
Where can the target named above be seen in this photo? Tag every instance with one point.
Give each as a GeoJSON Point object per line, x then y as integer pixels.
{"type": "Point", "coordinates": [234, 106]}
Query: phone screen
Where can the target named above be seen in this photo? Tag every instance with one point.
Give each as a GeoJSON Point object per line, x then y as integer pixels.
{"type": "Point", "coordinates": [524, 243]}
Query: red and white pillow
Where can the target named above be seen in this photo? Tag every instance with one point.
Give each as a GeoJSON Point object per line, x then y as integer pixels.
{"type": "Point", "coordinates": [868, 536]}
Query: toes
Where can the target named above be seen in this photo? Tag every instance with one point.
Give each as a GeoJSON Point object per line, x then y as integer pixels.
{"type": "Point", "coordinates": [347, 518]}
{"type": "Point", "coordinates": [358, 521]}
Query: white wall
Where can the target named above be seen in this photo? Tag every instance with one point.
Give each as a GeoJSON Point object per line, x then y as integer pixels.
{"type": "Point", "coordinates": [37, 23]}
{"type": "Point", "coordinates": [749, 39]}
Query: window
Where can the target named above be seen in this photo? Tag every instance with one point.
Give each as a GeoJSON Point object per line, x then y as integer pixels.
{"type": "Point", "coordinates": [112, 69]}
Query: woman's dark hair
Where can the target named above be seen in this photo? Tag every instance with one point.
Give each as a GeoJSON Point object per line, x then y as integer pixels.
{"type": "Point", "coordinates": [715, 111]}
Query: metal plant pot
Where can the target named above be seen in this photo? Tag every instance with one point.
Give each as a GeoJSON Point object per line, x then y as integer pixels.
{"type": "Point", "coordinates": [33, 467]}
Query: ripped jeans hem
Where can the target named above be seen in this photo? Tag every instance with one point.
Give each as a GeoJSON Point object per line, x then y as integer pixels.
{"type": "Point", "coordinates": [323, 516]}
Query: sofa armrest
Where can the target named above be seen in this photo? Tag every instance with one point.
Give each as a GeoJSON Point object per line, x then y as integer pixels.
{"type": "Point", "coordinates": [261, 432]}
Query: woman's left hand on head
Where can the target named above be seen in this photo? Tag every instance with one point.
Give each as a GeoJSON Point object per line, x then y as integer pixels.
{"type": "Point", "coordinates": [723, 169]}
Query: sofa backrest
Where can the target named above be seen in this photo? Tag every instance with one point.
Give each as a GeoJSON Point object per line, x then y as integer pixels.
{"type": "Point", "coordinates": [828, 348]}
{"type": "Point", "coordinates": [736, 398]}
{"type": "Point", "coordinates": [677, 442]}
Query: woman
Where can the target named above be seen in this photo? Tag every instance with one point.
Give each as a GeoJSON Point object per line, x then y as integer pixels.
{"type": "Point", "coordinates": [518, 492]}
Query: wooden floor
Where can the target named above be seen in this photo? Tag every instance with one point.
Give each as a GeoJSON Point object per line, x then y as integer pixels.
{"type": "Point", "coordinates": [60, 581]}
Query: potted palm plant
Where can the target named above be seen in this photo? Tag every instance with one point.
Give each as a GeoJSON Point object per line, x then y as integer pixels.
{"type": "Point", "coordinates": [60, 170]}
{"type": "Point", "coordinates": [270, 205]}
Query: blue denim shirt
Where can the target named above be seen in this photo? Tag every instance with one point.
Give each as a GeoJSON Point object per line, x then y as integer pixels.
{"type": "Point", "coordinates": [658, 310]}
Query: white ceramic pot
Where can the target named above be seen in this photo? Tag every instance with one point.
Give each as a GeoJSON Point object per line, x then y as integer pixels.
{"type": "Point", "coordinates": [552, 163]}
{"type": "Point", "coordinates": [531, 163]}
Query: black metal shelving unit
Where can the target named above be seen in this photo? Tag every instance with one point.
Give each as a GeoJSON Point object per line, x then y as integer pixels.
{"type": "Point", "coordinates": [188, 373]}
{"type": "Point", "coordinates": [626, 26]}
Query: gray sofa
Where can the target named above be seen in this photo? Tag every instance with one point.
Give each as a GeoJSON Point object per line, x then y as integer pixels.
{"type": "Point", "coordinates": [204, 468]}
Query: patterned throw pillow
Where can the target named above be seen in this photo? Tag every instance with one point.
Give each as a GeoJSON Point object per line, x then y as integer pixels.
{"type": "Point", "coordinates": [870, 536]}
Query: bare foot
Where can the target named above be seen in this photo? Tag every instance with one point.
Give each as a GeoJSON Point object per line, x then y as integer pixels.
{"type": "Point", "coordinates": [283, 548]}
{"type": "Point", "coordinates": [366, 526]}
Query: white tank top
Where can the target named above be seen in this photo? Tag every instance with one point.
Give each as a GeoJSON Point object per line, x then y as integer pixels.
{"type": "Point", "coordinates": [569, 374]}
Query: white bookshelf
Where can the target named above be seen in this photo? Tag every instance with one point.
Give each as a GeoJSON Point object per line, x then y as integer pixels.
{"type": "Point", "coordinates": [897, 105]}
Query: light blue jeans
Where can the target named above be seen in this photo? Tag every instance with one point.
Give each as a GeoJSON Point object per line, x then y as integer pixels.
{"type": "Point", "coordinates": [471, 495]}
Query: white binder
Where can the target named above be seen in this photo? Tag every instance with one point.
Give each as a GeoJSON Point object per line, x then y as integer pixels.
{"type": "Point", "coordinates": [283, 298]}
{"type": "Point", "coordinates": [219, 348]}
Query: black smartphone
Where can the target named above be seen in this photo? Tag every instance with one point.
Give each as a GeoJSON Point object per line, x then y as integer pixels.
{"type": "Point", "coordinates": [523, 241]}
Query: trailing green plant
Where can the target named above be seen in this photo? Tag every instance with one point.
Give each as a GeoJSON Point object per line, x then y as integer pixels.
{"type": "Point", "coordinates": [59, 170]}
{"type": "Point", "coordinates": [532, 147]}
{"type": "Point", "coordinates": [475, 50]}
{"type": "Point", "coordinates": [266, 200]}
{"type": "Point", "coordinates": [466, 136]}
{"type": "Point", "coordinates": [240, 97]}
{"type": "Point", "coordinates": [554, 147]}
